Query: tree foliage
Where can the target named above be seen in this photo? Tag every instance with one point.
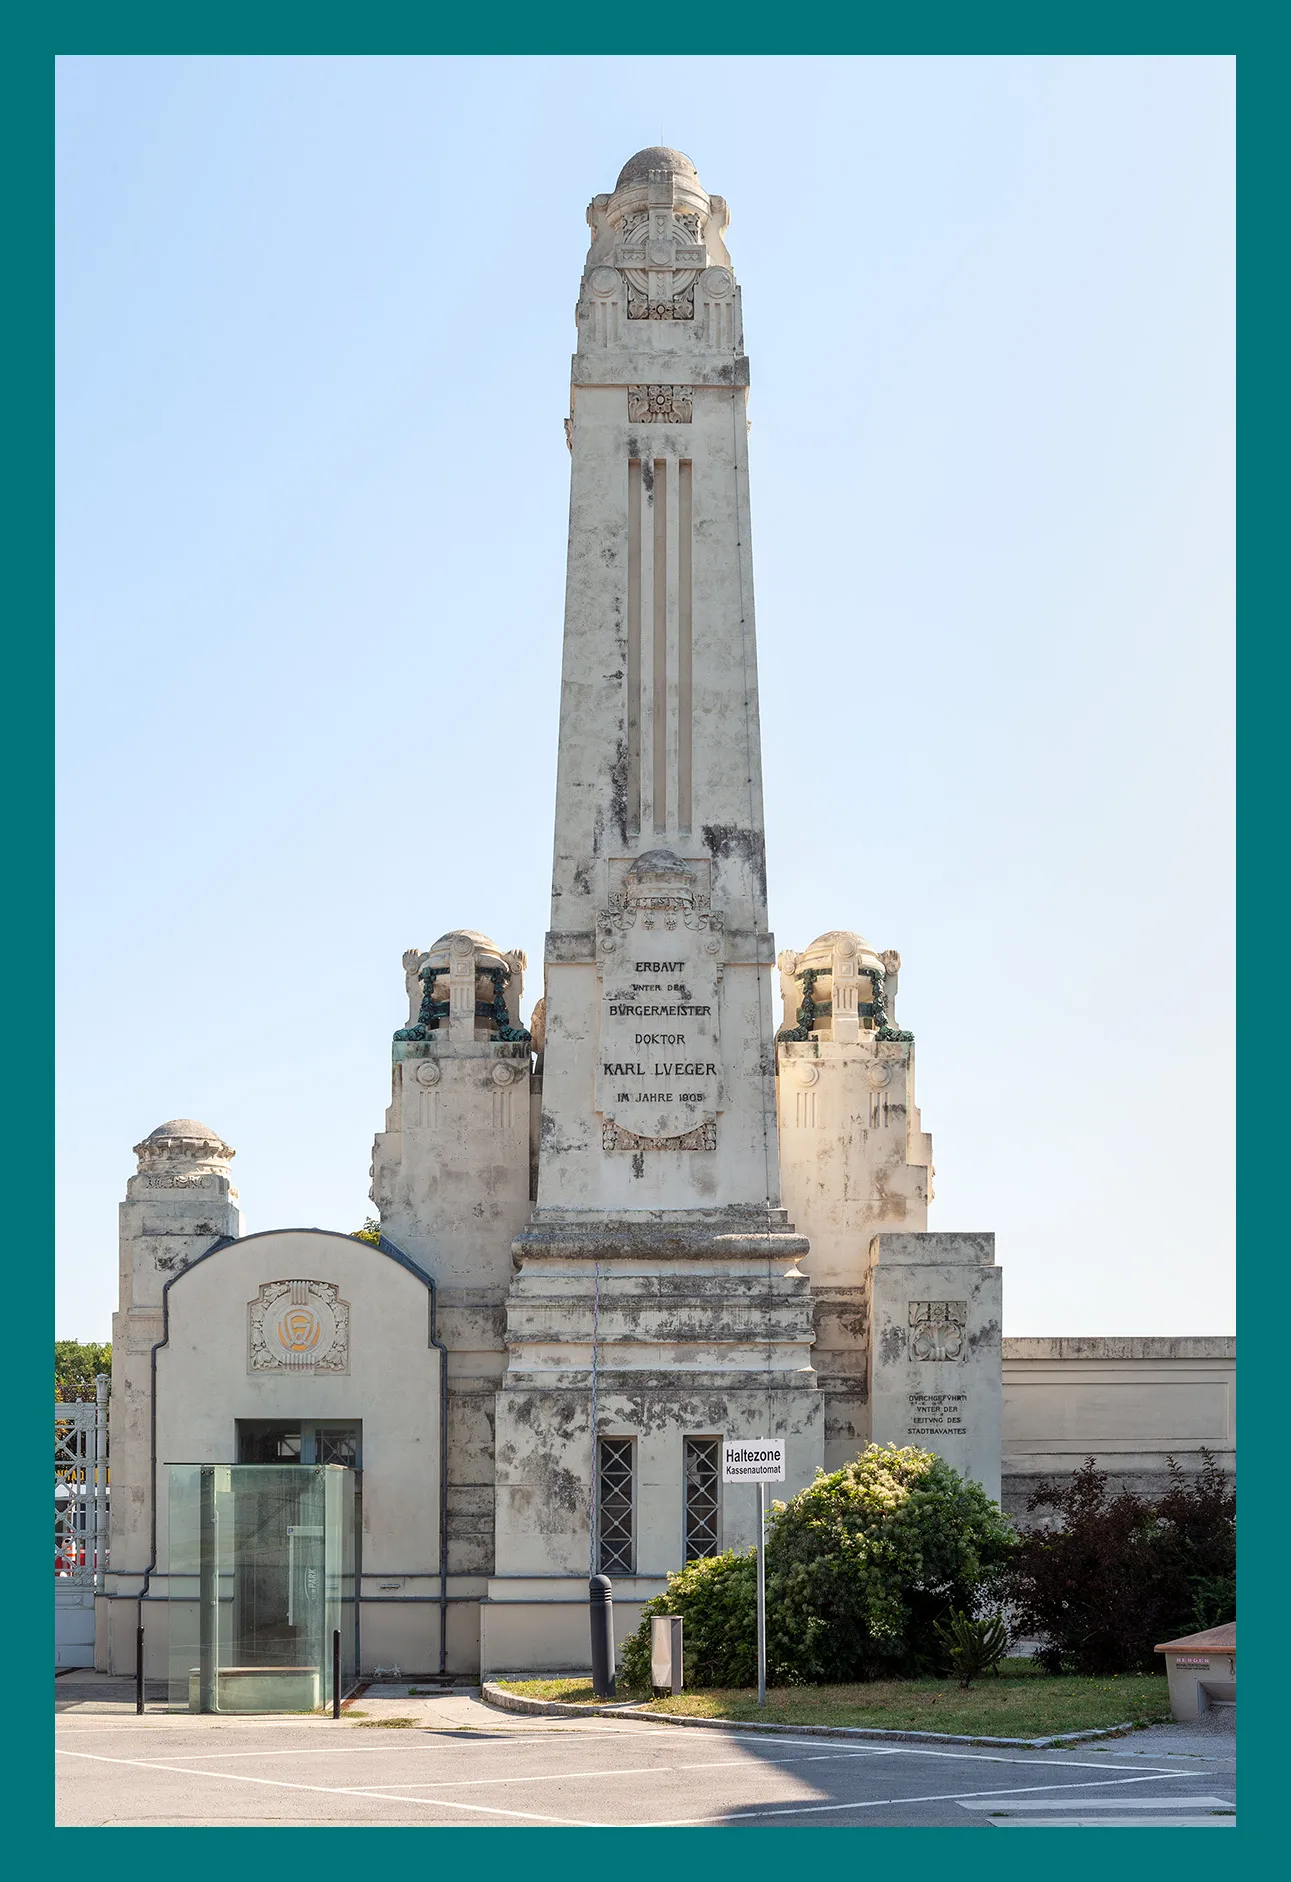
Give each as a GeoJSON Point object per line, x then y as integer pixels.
{"type": "Point", "coordinates": [860, 1566]}
{"type": "Point", "coordinates": [1121, 1573]}
{"type": "Point", "coordinates": [370, 1232]}
{"type": "Point", "coordinates": [76, 1363]}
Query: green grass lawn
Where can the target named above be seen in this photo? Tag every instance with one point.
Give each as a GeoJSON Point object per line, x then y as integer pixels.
{"type": "Point", "coordinates": [1021, 1702]}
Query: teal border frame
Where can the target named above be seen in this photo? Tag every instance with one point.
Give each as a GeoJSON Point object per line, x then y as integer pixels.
{"type": "Point", "coordinates": [936, 28]}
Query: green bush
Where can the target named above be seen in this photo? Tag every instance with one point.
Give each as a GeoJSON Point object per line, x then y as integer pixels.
{"type": "Point", "coordinates": [860, 1567]}
{"type": "Point", "coordinates": [718, 1599]}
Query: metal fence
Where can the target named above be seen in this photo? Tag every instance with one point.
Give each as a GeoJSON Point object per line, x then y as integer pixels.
{"type": "Point", "coordinates": [81, 1493]}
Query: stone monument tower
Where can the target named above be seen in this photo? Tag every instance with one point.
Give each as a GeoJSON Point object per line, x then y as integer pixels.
{"type": "Point", "coordinates": [178, 1203]}
{"type": "Point", "coordinates": [657, 1304]}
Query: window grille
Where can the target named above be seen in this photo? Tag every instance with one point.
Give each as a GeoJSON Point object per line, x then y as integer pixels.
{"type": "Point", "coordinates": [703, 1496]}
{"type": "Point", "coordinates": [614, 1506]}
{"type": "Point", "coordinates": [299, 1441]}
{"type": "Point", "coordinates": [337, 1446]}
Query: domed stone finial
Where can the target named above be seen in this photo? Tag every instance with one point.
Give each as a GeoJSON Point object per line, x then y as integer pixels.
{"type": "Point", "coordinates": [183, 1140]}
{"type": "Point", "coordinates": [656, 157]}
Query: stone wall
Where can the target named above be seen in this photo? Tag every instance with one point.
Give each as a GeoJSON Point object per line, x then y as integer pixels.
{"type": "Point", "coordinates": [1129, 1403]}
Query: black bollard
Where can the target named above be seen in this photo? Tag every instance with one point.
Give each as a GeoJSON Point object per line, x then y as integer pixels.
{"type": "Point", "coordinates": [600, 1600]}
{"type": "Point", "coordinates": [138, 1669]}
{"type": "Point", "coordinates": [336, 1673]}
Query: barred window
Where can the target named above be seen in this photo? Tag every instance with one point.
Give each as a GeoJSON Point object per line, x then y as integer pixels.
{"type": "Point", "coordinates": [703, 1496]}
{"type": "Point", "coordinates": [615, 1539]}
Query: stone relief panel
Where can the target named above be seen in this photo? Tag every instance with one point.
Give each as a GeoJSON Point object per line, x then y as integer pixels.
{"type": "Point", "coordinates": [660, 405]}
{"type": "Point", "coordinates": [938, 1329]}
{"type": "Point", "coordinates": [661, 255]}
{"type": "Point", "coordinates": [298, 1326]}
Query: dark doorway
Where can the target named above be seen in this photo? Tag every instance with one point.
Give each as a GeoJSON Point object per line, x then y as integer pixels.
{"type": "Point", "coordinates": [303, 1441]}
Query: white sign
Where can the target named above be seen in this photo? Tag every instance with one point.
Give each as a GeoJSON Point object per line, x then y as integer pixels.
{"type": "Point", "coordinates": [753, 1460]}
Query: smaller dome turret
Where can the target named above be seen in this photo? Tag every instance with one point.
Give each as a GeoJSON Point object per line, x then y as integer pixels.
{"type": "Point", "coordinates": [841, 942]}
{"type": "Point", "coordinates": [183, 1140]}
{"type": "Point", "coordinates": [656, 157]}
{"type": "Point", "coordinates": [838, 988]}
{"type": "Point", "coordinates": [464, 988]}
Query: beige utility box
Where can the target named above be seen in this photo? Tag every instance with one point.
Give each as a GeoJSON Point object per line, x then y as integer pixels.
{"type": "Point", "coordinates": [1202, 1670]}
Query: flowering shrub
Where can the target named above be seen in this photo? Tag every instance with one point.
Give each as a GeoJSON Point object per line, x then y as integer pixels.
{"type": "Point", "coordinates": [860, 1567]}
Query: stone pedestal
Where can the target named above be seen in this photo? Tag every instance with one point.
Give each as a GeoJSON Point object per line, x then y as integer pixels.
{"type": "Point", "coordinates": [689, 1324]}
{"type": "Point", "coordinates": [935, 1350]}
{"type": "Point", "coordinates": [854, 1158]}
{"type": "Point", "coordinates": [451, 1178]}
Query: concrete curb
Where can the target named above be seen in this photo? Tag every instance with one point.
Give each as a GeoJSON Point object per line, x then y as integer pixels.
{"type": "Point", "coordinates": [553, 1708]}
{"type": "Point", "coordinates": [493, 1695]}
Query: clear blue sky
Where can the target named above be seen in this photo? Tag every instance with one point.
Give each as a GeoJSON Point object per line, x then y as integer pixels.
{"type": "Point", "coordinates": [314, 327]}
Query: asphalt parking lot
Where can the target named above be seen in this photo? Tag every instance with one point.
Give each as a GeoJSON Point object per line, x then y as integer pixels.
{"type": "Point", "coordinates": [462, 1764]}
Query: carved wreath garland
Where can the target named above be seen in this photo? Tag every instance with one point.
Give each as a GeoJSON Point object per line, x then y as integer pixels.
{"type": "Point", "coordinates": [432, 1010]}
{"type": "Point", "coordinates": [811, 1008]}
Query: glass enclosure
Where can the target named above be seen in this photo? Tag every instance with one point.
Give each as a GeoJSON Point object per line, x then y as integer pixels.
{"type": "Point", "coordinates": [261, 1581]}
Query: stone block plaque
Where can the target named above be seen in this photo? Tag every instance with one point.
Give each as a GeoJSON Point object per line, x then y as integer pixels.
{"type": "Point", "coordinates": [659, 1067]}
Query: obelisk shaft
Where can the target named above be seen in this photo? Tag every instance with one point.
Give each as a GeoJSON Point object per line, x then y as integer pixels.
{"type": "Point", "coordinates": [658, 1077]}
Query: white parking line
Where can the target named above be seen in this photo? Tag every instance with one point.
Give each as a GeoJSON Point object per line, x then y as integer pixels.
{"type": "Point", "coordinates": [873, 1803]}
{"type": "Point", "coordinates": [469, 1740]}
{"type": "Point", "coordinates": [1118, 1803]}
{"type": "Point", "coordinates": [1113, 1823]}
{"type": "Point", "coordinates": [343, 1790]}
{"type": "Point", "coordinates": [1023, 1796]}
{"type": "Point", "coordinates": [645, 1770]}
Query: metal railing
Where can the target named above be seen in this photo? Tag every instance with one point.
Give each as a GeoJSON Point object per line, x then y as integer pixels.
{"type": "Point", "coordinates": [81, 1497]}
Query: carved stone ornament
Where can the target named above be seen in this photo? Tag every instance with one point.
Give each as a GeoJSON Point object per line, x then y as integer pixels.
{"type": "Point", "coordinates": [666, 306]}
{"type": "Point", "coordinates": [877, 1075]}
{"type": "Point", "coordinates": [938, 1329]}
{"type": "Point", "coordinates": [298, 1326]}
{"type": "Point", "coordinates": [427, 1073]}
{"type": "Point", "coordinates": [660, 405]}
{"type": "Point", "coordinates": [703, 1137]}
{"type": "Point", "coordinates": [661, 257]}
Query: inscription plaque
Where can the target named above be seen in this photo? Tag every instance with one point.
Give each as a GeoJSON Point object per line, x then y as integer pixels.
{"type": "Point", "coordinates": [936, 1415]}
{"type": "Point", "coordinates": [659, 1068]}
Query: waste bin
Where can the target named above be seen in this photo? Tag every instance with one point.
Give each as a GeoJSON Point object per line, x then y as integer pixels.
{"type": "Point", "coordinates": [665, 1653]}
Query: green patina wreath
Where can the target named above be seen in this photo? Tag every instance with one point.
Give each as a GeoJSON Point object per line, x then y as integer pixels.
{"type": "Point", "coordinates": [432, 1010]}
{"type": "Point", "coordinates": [812, 1009]}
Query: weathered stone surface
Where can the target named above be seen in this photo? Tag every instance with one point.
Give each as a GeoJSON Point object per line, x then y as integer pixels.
{"type": "Point", "coordinates": [934, 1353]}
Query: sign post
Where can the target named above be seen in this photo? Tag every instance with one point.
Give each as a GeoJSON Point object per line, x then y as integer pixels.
{"type": "Point", "coordinates": [759, 1461]}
